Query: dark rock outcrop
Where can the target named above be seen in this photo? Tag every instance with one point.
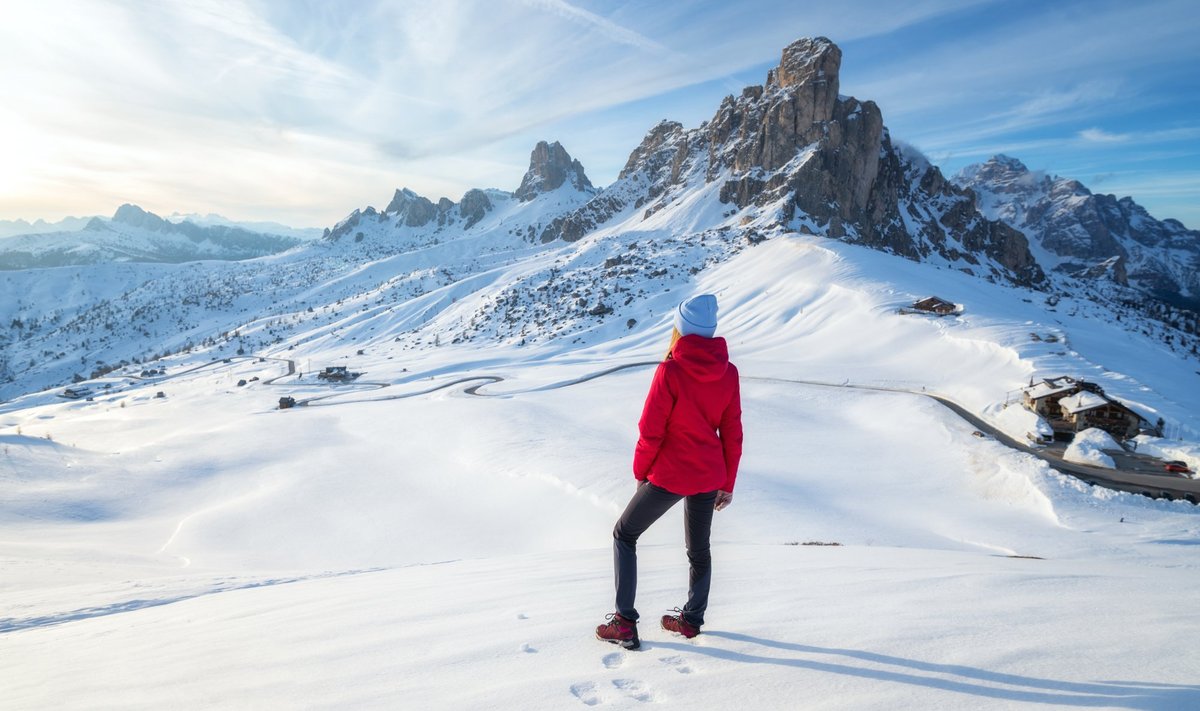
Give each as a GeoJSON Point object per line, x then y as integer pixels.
{"type": "Point", "coordinates": [413, 210]}
{"type": "Point", "coordinates": [474, 206]}
{"type": "Point", "coordinates": [550, 166]}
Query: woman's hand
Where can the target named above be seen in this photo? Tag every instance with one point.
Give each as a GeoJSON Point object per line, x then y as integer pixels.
{"type": "Point", "coordinates": [724, 498]}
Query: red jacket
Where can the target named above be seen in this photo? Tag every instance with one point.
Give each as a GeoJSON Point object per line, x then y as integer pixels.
{"type": "Point", "coordinates": [690, 434]}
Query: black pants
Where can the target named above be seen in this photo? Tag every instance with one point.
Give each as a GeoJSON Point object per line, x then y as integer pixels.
{"type": "Point", "coordinates": [647, 506]}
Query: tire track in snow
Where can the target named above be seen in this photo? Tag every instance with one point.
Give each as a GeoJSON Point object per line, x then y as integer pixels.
{"type": "Point", "coordinates": [16, 624]}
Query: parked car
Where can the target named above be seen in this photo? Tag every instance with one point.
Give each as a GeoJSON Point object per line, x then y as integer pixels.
{"type": "Point", "coordinates": [1178, 467]}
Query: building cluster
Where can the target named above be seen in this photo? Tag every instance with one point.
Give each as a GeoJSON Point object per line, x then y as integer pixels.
{"type": "Point", "coordinates": [1071, 405]}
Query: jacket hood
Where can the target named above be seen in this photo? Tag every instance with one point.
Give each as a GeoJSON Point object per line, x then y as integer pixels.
{"type": "Point", "coordinates": [702, 358]}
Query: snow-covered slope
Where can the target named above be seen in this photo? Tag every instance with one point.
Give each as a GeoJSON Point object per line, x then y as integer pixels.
{"type": "Point", "coordinates": [399, 541]}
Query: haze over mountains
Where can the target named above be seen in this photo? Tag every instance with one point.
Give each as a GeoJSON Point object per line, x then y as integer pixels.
{"type": "Point", "coordinates": [9, 228]}
{"type": "Point", "coordinates": [134, 235]}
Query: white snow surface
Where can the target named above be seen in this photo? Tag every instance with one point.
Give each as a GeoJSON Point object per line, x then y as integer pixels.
{"type": "Point", "coordinates": [1089, 446]}
{"type": "Point", "coordinates": [400, 542]}
{"type": "Point", "coordinates": [1019, 423]}
{"type": "Point", "coordinates": [1082, 401]}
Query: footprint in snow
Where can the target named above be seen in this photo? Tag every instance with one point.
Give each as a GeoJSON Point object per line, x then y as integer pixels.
{"type": "Point", "coordinates": [528, 648]}
{"type": "Point", "coordinates": [634, 689]}
{"type": "Point", "coordinates": [677, 663]}
{"type": "Point", "coordinates": [614, 660]}
{"type": "Point", "coordinates": [585, 691]}
{"type": "Point", "coordinates": [522, 616]}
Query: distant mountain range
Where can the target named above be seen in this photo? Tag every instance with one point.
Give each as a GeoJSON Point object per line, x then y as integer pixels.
{"type": "Point", "coordinates": [260, 226]}
{"type": "Point", "coordinates": [9, 228]}
{"type": "Point", "coordinates": [134, 235]}
{"type": "Point", "coordinates": [1087, 235]}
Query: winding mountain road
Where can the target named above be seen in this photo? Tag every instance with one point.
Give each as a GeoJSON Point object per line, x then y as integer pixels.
{"type": "Point", "coordinates": [1125, 479]}
{"type": "Point", "coordinates": [1153, 485]}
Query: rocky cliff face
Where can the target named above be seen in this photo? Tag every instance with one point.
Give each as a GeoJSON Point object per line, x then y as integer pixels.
{"type": "Point", "coordinates": [822, 163]}
{"type": "Point", "coordinates": [550, 167]}
{"type": "Point", "coordinates": [1088, 235]}
{"type": "Point", "coordinates": [409, 209]}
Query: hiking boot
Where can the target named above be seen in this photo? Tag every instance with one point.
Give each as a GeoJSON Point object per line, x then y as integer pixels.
{"type": "Point", "coordinates": [619, 630]}
{"type": "Point", "coordinates": [676, 623]}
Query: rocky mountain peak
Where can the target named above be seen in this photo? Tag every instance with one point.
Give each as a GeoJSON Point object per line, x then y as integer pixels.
{"type": "Point", "coordinates": [813, 61]}
{"type": "Point", "coordinates": [819, 162]}
{"type": "Point", "coordinates": [412, 209]}
{"type": "Point", "coordinates": [135, 216]}
{"type": "Point", "coordinates": [1003, 174]}
{"type": "Point", "coordinates": [550, 166]}
{"type": "Point", "coordinates": [1005, 163]}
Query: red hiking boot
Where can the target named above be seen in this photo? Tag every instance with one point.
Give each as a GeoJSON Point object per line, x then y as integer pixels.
{"type": "Point", "coordinates": [619, 630]}
{"type": "Point", "coordinates": [676, 623]}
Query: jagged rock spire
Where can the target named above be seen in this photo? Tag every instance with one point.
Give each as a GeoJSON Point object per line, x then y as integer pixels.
{"type": "Point", "coordinates": [549, 167]}
{"type": "Point", "coordinates": [822, 162]}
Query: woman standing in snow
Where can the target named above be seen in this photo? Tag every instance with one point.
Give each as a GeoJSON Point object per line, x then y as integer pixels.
{"type": "Point", "coordinates": [689, 445]}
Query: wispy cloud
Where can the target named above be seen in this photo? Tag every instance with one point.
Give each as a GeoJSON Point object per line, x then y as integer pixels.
{"type": "Point", "coordinates": [236, 105]}
{"type": "Point", "coordinates": [606, 27]}
{"type": "Point", "coordinates": [1097, 135]}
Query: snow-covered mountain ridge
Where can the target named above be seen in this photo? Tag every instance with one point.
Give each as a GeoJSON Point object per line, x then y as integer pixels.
{"type": "Point", "coordinates": [11, 228]}
{"type": "Point", "coordinates": [134, 235]}
{"type": "Point", "coordinates": [353, 548]}
{"type": "Point", "coordinates": [795, 155]}
{"type": "Point", "coordinates": [1090, 235]}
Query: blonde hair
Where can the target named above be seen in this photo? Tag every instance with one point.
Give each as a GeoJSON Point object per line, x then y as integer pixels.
{"type": "Point", "coordinates": [675, 336]}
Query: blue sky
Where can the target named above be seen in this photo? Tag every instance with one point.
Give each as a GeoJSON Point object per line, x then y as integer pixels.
{"type": "Point", "coordinates": [302, 111]}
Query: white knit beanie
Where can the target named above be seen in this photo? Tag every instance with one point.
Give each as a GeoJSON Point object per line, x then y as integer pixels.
{"type": "Point", "coordinates": [697, 316]}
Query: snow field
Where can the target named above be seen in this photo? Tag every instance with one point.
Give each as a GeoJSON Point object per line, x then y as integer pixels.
{"type": "Point", "coordinates": [829, 627]}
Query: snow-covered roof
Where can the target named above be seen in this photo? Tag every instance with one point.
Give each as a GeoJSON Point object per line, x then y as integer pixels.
{"type": "Point", "coordinates": [1083, 401]}
{"type": "Point", "coordinates": [1047, 388]}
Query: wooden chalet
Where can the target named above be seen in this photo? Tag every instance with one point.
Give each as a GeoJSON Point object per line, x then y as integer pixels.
{"type": "Point", "coordinates": [937, 305]}
{"type": "Point", "coordinates": [1043, 397]}
{"type": "Point", "coordinates": [1084, 410]}
{"type": "Point", "coordinates": [1071, 405]}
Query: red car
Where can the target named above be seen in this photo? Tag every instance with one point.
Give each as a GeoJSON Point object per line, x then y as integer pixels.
{"type": "Point", "coordinates": [1177, 467]}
